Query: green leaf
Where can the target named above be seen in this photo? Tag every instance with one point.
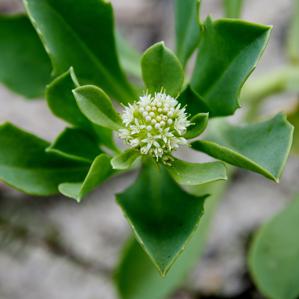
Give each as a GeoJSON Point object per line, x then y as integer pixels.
{"type": "Point", "coordinates": [62, 102]}
{"type": "Point", "coordinates": [99, 171]}
{"type": "Point", "coordinates": [97, 107]}
{"type": "Point", "coordinates": [147, 283]}
{"type": "Point", "coordinates": [293, 118]}
{"type": "Point", "coordinates": [262, 147]}
{"type": "Point", "coordinates": [187, 28]}
{"type": "Point", "coordinates": [129, 57]}
{"type": "Point", "coordinates": [192, 101]}
{"type": "Point", "coordinates": [25, 165]}
{"type": "Point", "coordinates": [293, 36]}
{"type": "Point", "coordinates": [228, 52]}
{"type": "Point", "coordinates": [81, 36]}
{"type": "Point", "coordinates": [63, 105]}
{"type": "Point", "coordinates": [274, 255]}
{"type": "Point", "coordinates": [163, 216]}
{"type": "Point", "coordinates": [24, 65]}
{"type": "Point", "coordinates": [194, 174]}
{"type": "Point", "coordinates": [233, 8]}
{"type": "Point", "coordinates": [161, 69]}
{"type": "Point", "coordinates": [125, 159]}
{"type": "Point", "coordinates": [199, 123]}
{"type": "Point", "coordinates": [75, 143]}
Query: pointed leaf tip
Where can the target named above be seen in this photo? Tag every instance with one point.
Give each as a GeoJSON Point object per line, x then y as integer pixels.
{"type": "Point", "coordinates": [99, 171]}
{"type": "Point", "coordinates": [162, 215]}
{"type": "Point", "coordinates": [63, 104]}
{"type": "Point", "coordinates": [211, 78]}
{"type": "Point", "coordinates": [263, 147]}
{"type": "Point", "coordinates": [26, 166]}
{"type": "Point", "coordinates": [76, 144]}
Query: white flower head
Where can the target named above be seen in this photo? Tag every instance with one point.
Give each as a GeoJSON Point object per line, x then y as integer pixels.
{"type": "Point", "coordinates": [155, 126]}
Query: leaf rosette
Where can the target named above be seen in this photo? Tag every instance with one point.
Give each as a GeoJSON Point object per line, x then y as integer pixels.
{"type": "Point", "coordinates": [78, 41]}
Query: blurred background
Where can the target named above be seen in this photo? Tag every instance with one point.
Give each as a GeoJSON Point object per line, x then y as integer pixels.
{"type": "Point", "coordinates": [55, 248]}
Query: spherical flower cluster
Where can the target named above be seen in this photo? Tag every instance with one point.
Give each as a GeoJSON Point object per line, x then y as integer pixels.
{"type": "Point", "coordinates": [155, 126]}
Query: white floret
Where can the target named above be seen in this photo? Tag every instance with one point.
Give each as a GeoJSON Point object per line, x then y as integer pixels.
{"type": "Point", "coordinates": [155, 125]}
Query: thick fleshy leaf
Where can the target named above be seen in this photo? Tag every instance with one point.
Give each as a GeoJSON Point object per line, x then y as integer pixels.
{"type": "Point", "coordinates": [125, 159]}
{"type": "Point", "coordinates": [293, 118]}
{"type": "Point", "coordinates": [194, 174]}
{"type": "Point", "coordinates": [161, 69]}
{"type": "Point", "coordinates": [218, 79]}
{"type": "Point", "coordinates": [25, 165]}
{"type": "Point", "coordinates": [128, 56]}
{"type": "Point", "coordinates": [25, 67]}
{"type": "Point", "coordinates": [61, 100]}
{"type": "Point", "coordinates": [192, 101]}
{"type": "Point", "coordinates": [262, 147]}
{"type": "Point", "coordinates": [99, 171]}
{"type": "Point", "coordinates": [233, 8]}
{"type": "Point", "coordinates": [147, 283]}
{"type": "Point", "coordinates": [293, 38]}
{"type": "Point", "coordinates": [81, 36]}
{"type": "Point", "coordinates": [63, 104]}
{"type": "Point", "coordinates": [274, 255]}
{"type": "Point", "coordinates": [187, 28]}
{"type": "Point", "coordinates": [77, 144]}
{"type": "Point", "coordinates": [95, 104]}
{"type": "Point", "coordinates": [199, 123]}
{"type": "Point", "coordinates": [162, 215]}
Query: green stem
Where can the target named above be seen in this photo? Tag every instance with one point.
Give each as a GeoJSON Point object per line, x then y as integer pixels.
{"type": "Point", "coordinates": [293, 36]}
{"type": "Point", "coordinates": [233, 8]}
{"type": "Point", "coordinates": [257, 91]}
